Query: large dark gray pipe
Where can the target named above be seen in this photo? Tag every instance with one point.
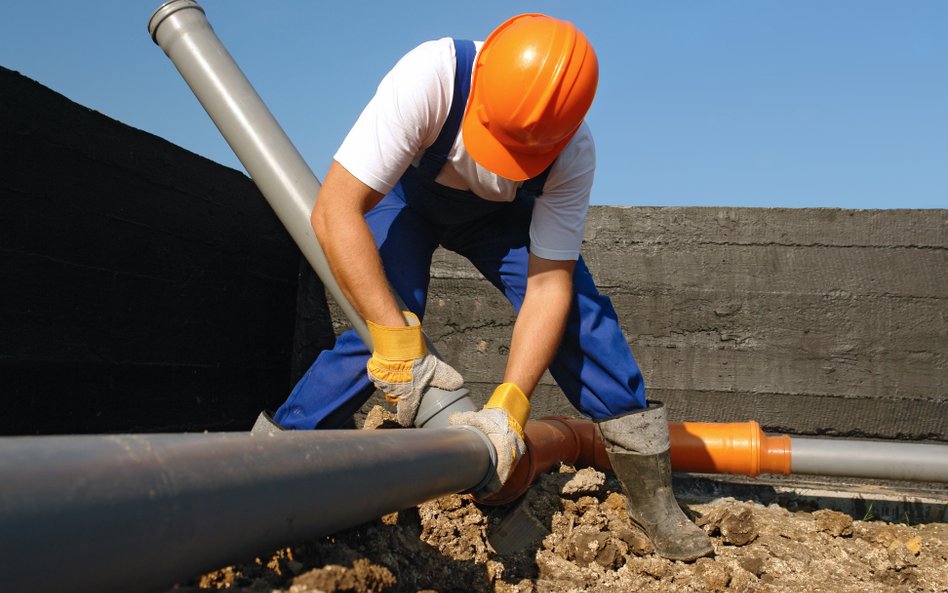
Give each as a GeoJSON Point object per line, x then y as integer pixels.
{"type": "Point", "coordinates": [141, 512]}
{"type": "Point", "coordinates": [181, 29]}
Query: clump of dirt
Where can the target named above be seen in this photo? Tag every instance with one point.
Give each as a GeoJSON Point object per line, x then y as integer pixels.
{"type": "Point", "coordinates": [570, 533]}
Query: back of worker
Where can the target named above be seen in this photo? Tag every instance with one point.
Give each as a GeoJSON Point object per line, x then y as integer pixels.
{"type": "Point", "coordinates": [482, 148]}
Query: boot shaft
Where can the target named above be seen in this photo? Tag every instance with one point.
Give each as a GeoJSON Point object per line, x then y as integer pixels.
{"type": "Point", "coordinates": [639, 449]}
{"type": "Point", "coordinates": [644, 432]}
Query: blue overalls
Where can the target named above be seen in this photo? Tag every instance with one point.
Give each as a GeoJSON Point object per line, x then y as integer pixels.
{"type": "Point", "coordinates": [593, 365]}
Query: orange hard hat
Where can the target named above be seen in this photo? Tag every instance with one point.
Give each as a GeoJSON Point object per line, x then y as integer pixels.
{"type": "Point", "coordinates": [533, 82]}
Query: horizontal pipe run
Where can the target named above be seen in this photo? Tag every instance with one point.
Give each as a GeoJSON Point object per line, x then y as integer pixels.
{"type": "Point", "coordinates": [726, 448]}
{"type": "Point", "coordinates": [921, 462]}
{"type": "Point", "coordinates": [141, 512]}
{"type": "Point", "coordinates": [161, 508]}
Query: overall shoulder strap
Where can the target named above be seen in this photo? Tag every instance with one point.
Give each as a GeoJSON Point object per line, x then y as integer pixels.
{"type": "Point", "coordinates": [437, 154]}
{"type": "Point", "coordinates": [534, 185]}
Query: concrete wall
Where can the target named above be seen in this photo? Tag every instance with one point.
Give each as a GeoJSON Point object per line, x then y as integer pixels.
{"type": "Point", "coordinates": [811, 321]}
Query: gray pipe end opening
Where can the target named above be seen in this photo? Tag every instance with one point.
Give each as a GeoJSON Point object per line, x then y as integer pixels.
{"type": "Point", "coordinates": [493, 458]}
{"type": "Point", "coordinates": [166, 10]}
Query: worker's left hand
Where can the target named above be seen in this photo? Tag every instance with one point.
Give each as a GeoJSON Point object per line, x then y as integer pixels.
{"type": "Point", "coordinates": [403, 369]}
{"type": "Point", "coordinates": [502, 420]}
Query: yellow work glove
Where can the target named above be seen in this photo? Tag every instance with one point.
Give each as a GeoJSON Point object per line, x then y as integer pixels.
{"type": "Point", "coordinates": [502, 420]}
{"type": "Point", "coordinates": [402, 368]}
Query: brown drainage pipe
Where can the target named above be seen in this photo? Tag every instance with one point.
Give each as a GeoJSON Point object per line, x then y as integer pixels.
{"type": "Point", "coordinates": [726, 448]}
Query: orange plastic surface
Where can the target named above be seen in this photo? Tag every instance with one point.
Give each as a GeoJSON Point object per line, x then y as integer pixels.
{"type": "Point", "coordinates": [703, 447]}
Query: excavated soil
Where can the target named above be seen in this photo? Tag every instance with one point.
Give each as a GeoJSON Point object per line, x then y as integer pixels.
{"type": "Point", "coordinates": [570, 533]}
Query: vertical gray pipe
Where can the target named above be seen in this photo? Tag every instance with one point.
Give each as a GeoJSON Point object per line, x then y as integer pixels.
{"type": "Point", "coordinates": [105, 514]}
{"type": "Point", "coordinates": [182, 30]}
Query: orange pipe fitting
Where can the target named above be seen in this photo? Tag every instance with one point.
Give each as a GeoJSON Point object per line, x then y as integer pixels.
{"type": "Point", "coordinates": [703, 447]}
{"type": "Point", "coordinates": [727, 448]}
{"type": "Point", "coordinates": [550, 441]}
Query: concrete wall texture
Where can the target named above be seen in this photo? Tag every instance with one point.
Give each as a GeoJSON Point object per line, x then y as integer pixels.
{"type": "Point", "coordinates": [810, 321]}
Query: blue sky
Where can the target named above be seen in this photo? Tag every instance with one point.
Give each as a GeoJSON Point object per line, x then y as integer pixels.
{"type": "Point", "coordinates": [727, 103]}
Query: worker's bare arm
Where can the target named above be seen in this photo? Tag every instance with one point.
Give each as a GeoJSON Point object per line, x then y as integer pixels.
{"type": "Point", "coordinates": [339, 222]}
{"type": "Point", "coordinates": [541, 322]}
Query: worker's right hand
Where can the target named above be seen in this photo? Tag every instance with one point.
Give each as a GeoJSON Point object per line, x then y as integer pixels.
{"type": "Point", "coordinates": [403, 369]}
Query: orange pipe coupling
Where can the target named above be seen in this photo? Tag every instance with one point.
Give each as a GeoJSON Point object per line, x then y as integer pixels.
{"type": "Point", "coordinates": [727, 448]}
{"type": "Point", "coordinates": [702, 447]}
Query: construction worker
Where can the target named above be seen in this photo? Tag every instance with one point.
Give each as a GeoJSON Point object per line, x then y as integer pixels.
{"type": "Point", "coordinates": [482, 148]}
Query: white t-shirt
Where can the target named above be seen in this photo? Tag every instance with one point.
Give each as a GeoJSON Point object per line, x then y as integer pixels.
{"type": "Point", "coordinates": [405, 117]}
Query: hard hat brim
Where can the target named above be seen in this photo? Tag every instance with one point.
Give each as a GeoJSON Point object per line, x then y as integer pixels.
{"type": "Point", "coordinates": [502, 160]}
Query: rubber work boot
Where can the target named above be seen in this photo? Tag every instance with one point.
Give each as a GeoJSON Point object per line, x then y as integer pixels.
{"type": "Point", "coordinates": [265, 424]}
{"type": "Point", "coordinates": [638, 446]}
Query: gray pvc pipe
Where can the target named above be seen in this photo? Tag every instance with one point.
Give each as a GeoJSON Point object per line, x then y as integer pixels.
{"type": "Point", "coordinates": [141, 512]}
{"type": "Point", "coordinates": [869, 459]}
{"type": "Point", "coordinates": [182, 30]}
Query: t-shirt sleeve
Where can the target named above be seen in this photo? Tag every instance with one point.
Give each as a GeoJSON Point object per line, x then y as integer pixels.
{"type": "Point", "coordinates": [404, 117]}
{"type": "Point", "coordinates": [559, 214]}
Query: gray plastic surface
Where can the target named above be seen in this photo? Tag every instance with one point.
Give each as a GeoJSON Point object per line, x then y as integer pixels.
{"type": "Point", "coordinates": [140, 512]}
{"type": "Point", "coordinates": [437, 406]}
{"type": "Point", "coordinates": [923, 462]}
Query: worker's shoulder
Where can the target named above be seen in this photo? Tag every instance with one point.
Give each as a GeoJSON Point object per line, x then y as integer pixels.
{"type": "Point", "coordinates": [572, 171]}
{"type": "Point", "coordinates": [430, 56]}
{"type": "Point", "coordinates": [581, 147]}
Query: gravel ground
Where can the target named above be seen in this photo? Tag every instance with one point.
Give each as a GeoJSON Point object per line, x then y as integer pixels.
{"type": "Point", "coordinates": [570, 533]}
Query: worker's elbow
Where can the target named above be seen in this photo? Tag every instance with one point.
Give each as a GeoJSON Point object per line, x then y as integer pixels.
{"type": "Point", "coordinates": [551, 280]}
{"type": "Point", "coordinates": [554, 293]}
{"type": "Point", "coordinates": [317, 219]}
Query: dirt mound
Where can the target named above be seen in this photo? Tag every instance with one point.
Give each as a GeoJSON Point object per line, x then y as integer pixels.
{"type": "Point", "coordinates": [570, 533]}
